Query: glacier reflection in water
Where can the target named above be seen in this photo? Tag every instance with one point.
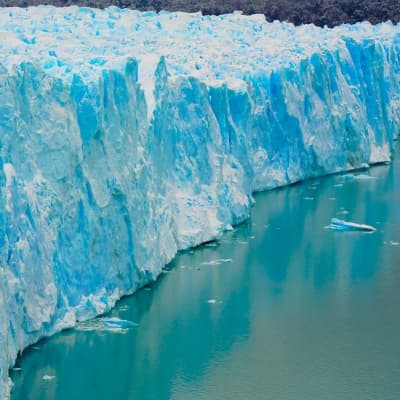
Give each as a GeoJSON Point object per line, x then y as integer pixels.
{"type": "Point", "coordinates": [280, 308]}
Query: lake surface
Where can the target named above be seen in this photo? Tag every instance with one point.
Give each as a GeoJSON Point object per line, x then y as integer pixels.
{"type": "Point", "coordinates": [280, 308]}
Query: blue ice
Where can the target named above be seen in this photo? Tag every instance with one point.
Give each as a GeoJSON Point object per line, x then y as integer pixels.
{"type": "Point", "coordinates": [127, 136]}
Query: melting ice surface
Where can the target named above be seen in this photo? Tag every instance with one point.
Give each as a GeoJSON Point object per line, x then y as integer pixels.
{"type": "Point", "coordinates": [127, 136]}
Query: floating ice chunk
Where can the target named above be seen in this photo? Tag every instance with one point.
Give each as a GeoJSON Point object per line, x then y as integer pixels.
{"type": "Point", "coordinates": [341, 225]}
{"type": "Point", "coordinates": [48, 377]}
{"type": "Point", "coordinates": [359, 177]}
{"type": "Point", "coordinates": [347, 177]}
{"type": "Point", "coordinates": [342, 212]}
{"type": "Point", "coordinates": [212, 244]}
{"type": "Point", "coordinates": [364, 177]}
{"type": "Point", "coordinates": [214, 301]}
{"type": "Point", "coordinates": [218, 261]}
{"type": "Point", "coordinates": [119, 323]}
{"type": "Point", "coordinates": [213, 262]}
{"type": "Point", "coordinates": [112, 324]}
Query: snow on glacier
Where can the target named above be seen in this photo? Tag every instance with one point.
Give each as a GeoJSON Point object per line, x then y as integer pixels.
{"type": "Point", "coordinates": [126, 136]}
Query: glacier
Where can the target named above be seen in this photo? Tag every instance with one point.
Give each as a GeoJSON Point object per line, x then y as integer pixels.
{"type": "Point", "coordinates": [126, 137]}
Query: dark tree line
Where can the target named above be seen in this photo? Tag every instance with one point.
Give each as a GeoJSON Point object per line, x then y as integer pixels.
{"type": "Point", "coordinates": [319, 12]}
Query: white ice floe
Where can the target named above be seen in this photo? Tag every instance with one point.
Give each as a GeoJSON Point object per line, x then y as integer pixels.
{"type": "Point", "coordinates": [341, 225]}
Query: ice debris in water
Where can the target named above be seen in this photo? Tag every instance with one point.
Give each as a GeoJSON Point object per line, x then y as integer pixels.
{"type": "Point", "coordinates": [212, 244]}
{"type": "Point", "coordinates": [364, 177]}
{"type": "Point", "coordinates": [341, 225]}
{"type": "Point", "coordinates": [119, 323]}
{"type": "Point", "coordinates": [218, 261]}
{"type": "Point", "coordinates": [48, 377]}
{"type": "Point", "coordinates": [342, 212]}
{"type": "Point", "coordinates": [214, 301]}
{"type": "Point", "coordinates": [113, 324]}
{"type": "Point", "coordinates": [359, 177]}
{"type": "Point", "coordinates": [97, 105]}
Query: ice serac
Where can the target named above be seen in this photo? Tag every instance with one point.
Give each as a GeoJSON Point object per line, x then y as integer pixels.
{"type": "Point", "coordinates": [126, 136]}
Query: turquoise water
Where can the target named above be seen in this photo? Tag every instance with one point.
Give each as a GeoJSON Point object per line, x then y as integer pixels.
{"type": "Point", "coordinates": [280, 308]}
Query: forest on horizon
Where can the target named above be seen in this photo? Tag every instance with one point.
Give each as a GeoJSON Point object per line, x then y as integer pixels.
{"type": "Point", "coordinates": [319, 12]}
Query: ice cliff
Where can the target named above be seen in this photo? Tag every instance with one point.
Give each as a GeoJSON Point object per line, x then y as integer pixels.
{"type": "Point", "coordinates": [126, 136]}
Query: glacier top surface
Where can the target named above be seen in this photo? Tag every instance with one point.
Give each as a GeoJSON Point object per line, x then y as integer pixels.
{"type": "Point", "coordinates": [64, 41]}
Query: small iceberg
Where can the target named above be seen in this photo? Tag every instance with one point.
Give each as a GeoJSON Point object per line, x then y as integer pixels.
{"type": "Point", "coordinates": [119, 323]}
{"type": "Point", "coordinates": [214, 301]}
{"type": "Point", "coordinates": [341, 225]}
{"type": "Point", "coordinates": [48, 377]}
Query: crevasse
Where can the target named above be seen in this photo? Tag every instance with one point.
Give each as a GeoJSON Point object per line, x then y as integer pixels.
{"type": "Point", "coordinates": [127, 136]}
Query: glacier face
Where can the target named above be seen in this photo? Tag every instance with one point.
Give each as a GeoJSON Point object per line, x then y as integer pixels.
{"type": "Point", "coordinates": [127, 136]}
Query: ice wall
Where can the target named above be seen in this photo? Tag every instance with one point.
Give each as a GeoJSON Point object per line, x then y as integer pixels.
{"type": "Point", "coordinates": [127, 136]}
